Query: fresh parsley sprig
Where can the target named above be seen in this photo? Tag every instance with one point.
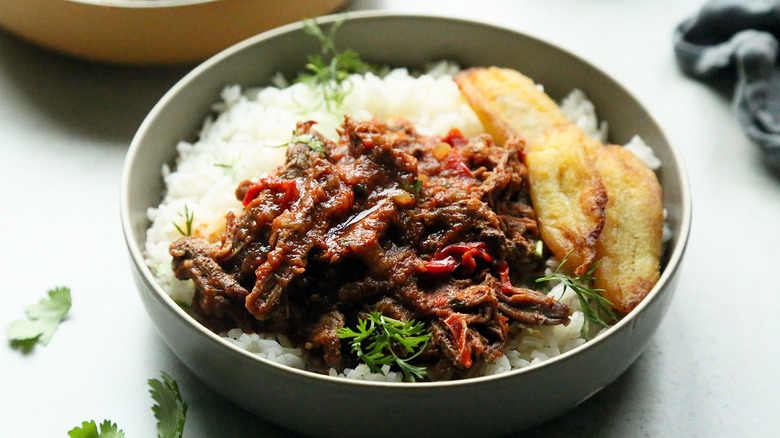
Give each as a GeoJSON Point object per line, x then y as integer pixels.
{"type": "Point", "coordinates": [42, 320]}
{"type": "Point", "coordinates": [381, 335]}
{"type": "Point", "coordinates": [586, 296]}
{"type": "Point", "coordinates": [330, 69]}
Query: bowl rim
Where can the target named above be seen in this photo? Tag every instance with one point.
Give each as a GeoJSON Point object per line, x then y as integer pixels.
{"type": "Point", "coordinates": [142, 4]}
{"type": "Point", "coordinates": [673, 261]}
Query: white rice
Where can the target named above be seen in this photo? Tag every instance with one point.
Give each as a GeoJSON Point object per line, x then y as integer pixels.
{"type": "Point", "coordinates": [237, 144]}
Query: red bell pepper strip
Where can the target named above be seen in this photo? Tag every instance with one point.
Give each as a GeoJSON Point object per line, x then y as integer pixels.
{"type": "Point", "coordinates": [251, 194]}
{"type": "Point", "coordinates": [506, 282]}
{"type": "Point", "coordinates": [287, 187]}
{"type": "Point", "coordinates": [463, 254]}
{"type": "Point", "coordinates": [455, 138]}
{"type": "Point", "coordinates": [454, 163]}
{"type": "Point", "coordinates": [441, 266]}
{"type": "Point", "coordinates": [456, 322]}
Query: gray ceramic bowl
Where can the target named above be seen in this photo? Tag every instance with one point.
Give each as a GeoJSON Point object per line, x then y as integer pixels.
{"type": "Point", "coordinates": [325, 406]}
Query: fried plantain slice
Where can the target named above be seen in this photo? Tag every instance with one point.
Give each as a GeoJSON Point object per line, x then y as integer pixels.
{"type": "Point", "coordinates": [630, 244]}
{"type": "Point", "coordinates": [509, 104]}
{"type": "Point", "coordinates": [567, 194]}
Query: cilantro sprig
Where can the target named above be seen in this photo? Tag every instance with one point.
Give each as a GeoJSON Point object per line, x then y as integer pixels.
{"type": "Point", "coordinates": [42, 320]}
{"type": "Point", "coordinates": [169, 410]}
{"type": "Point", "coordinates": [330, 69]}
{"type": "Point", "coordinates": [586, 296]}
{"type": "Point", "coordinates": [377, 337]}
{"type": "Point", "coordinates": [89, 429]}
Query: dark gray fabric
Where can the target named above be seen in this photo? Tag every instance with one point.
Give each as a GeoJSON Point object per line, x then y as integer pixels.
{"type": "Point", "coordinates": [741, 36]}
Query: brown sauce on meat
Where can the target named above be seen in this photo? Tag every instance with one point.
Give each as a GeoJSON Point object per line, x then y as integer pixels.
{"type": "Point", "coordinates": [440, 230]}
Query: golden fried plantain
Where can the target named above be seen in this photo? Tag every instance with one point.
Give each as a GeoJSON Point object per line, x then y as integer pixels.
{"type": "Point", "coordinates": [630, 244]}
{"type": "Point", "coordinates": [567, 194]}
{"type": "Point", "coordinates": [509, 104]}
{"type": "Point", "coordinates": [593, 202]}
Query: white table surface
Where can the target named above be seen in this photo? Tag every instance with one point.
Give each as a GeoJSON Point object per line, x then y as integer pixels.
{"type": "Point", "coordinates": [711, 370]}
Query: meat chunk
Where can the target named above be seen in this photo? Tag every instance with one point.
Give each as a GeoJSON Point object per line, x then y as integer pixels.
{"type": "Point", "coordinates": [218, 295]}
{"type": "Point", "coordinates": [439, 230]}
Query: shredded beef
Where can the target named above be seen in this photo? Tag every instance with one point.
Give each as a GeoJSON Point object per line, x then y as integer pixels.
{"type": "Point", "coordinates": [439, 230]}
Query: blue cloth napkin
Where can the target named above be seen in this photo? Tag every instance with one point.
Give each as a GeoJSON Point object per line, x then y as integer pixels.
{"type": "Point", "coordinates": [739, 36]}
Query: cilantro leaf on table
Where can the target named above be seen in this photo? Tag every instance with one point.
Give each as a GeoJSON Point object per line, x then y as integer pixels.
{"type": "Point", "coordinates": [42, 321]}
{"type": "Point", "coordinates": [89, 429]}
{"type": "Point", "coordinates": [170, 410]}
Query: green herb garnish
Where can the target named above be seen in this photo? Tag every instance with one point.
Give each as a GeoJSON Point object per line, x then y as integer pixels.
{"type": "Point", "coordinates": [230, 168]}
{"type": "Point", "coordinates": [170, 410]}
{"type": "Point", "coordinates": [586, 295]}
{"type": "Point", "coordinates": [414, 188]}
{"type": "Point", "coordinates": [330, 69]}
{"type": "Point", "coordinates": [314, 143]}
{"type": "Point", "coordinates": [188, 216]}
{"type": "Point", "coordinates": [382, 336]}
{"type": "Point", "coordinates": [42, 320]}
{"type": "Point", "coordinates": [89, 429]}
{"type": "Point", "coordinates": [539, 249]}
{"type": "Point", "coordinates": [360, 189]}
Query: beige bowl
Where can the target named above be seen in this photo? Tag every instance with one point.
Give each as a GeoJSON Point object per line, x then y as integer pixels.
{"type": "Point", "coordinates": [150, 31]}
{"type": "Point", "coordinates": [327, 406]}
